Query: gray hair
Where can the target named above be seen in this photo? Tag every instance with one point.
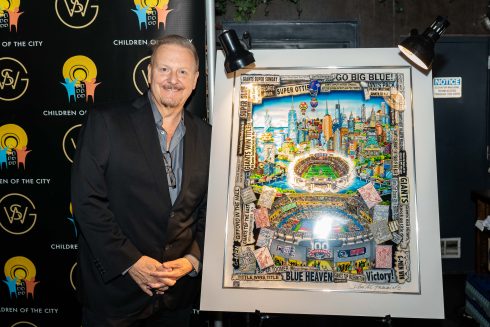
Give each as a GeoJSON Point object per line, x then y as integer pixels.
{"type": "Point", "coordinates": [175, 39]}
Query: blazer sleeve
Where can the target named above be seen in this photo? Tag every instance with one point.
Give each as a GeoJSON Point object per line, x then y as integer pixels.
{"type": "Point", "coordinates": [204, 142]}
{"type": "Point", "coordinates": [110, 250]}
{"type": "Point", "coordinates": [197, 245]}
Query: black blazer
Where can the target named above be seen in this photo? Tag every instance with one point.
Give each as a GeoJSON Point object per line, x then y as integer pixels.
{"type": "Point", "coordinates": [123, 210]}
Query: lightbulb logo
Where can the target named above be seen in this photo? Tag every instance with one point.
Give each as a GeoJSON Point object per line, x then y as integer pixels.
{"type": "Point", "coordinates": [13, 147]}
{"type": "Point", "coordinates": [9, 14]}
{"type": "Point", "coordinates": [151, 13]}
{"type": "Point", "coordinates": [69, 143]}
{"type": "Point", "coordinates": [80, 75]}
{"type": "Point", "coordinates": [72, 221]}
{"type": "Point", "coordinates": [13, 79]}
{"type": "Point", "coordinates": [76, 13]}
{"type": "Point", "coordinates": [20, 277]}
{"type": "Point", "coordinates": [17, 214]}
{"type": "Point", "coordinates": [140, 76]}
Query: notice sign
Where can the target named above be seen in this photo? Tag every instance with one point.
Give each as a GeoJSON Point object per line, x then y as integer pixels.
{"type": "Point", "coordinates": [447, 87]}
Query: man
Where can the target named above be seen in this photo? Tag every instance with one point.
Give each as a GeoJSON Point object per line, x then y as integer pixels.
{"type": "Point", "coordinates": [139, 187]}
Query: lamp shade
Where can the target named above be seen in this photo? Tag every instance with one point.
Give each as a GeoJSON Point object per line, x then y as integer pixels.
{"type": "Point", "coordinates": [420, 48]}
{"type": "Point", "coordinates": [236, 56]}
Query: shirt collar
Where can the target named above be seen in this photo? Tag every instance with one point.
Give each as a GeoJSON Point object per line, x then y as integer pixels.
{"type": "Point", "coordinates": [156, 114]}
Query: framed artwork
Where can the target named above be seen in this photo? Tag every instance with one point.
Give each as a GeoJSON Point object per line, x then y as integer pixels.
{"type": "Point", "coordinates": [321, 189]}
{"type": "Point", "coordinates": [320, 198]}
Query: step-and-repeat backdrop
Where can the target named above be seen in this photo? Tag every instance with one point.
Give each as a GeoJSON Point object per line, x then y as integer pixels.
{"type": "Point", "coordinates": [59, 59]}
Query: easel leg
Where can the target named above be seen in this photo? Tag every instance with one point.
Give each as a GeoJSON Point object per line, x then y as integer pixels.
{"type": "Point", "coordinates": [386, 321]}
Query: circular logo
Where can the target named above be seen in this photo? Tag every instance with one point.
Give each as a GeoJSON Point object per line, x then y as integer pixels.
{"type": "Point", "coordinates": [79, 68]}
{"type": "Point", "coordinates": [72, 272]}
{"type": "Point", "coordinates": [12, 137]}
{"type": "Point", "coordinates": [140, 75]}
{"type": "Point", "coordinates": [13, 79]}
{"type": "Point", "coordinates": [17, 214]}
{"type": "Point", "coordinates": [70, 142]}
{"type": "Point", "coordinates": [23, 323]}
{"type": "Point", "coordinates": [76, 13]}
{"type": "Point", "coordinates": [20, 268]}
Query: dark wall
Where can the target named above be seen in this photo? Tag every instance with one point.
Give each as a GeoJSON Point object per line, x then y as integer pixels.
{"type": "Point", "coordinates": [381, 22]}
{"type": "Point", "coordinates": [462, 166]}
{"type": "Point", "coordinates": [461, 139]}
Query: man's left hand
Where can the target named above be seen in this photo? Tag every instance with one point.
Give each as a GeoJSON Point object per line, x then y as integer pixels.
{"type": "Point", "coordinates": [169, 272]}
{"type": "Point", "coordinates": [174, 269]}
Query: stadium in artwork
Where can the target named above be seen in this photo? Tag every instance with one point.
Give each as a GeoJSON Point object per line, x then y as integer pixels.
{"type": "Point", "coordinates": [321, 172]}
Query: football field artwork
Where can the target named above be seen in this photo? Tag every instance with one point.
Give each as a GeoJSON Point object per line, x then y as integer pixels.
{"type": "Point", "coordinates": [322, 182]}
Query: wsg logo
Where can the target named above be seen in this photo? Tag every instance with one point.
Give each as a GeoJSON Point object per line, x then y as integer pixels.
{"type": "Point", "coordinates": [23, 324]}
{"type": "Point", "coordinates": [151, 13]}
{"type": "Point", "coordinates": [140, 76]}
{"type": "Point", "coordinates": [17, 215]}
{"type": "Point", "coordinates": [76, 13]}
{"type": "Point", "coordinates": [80, 75]}
{"type": "Point", "coordinates": [72, 276]}
{"type": "Point", "coordinates": [69, 143]}
{"type": "Point", "coordinates": [13, 79]}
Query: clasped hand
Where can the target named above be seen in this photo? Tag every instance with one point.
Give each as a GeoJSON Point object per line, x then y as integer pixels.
{"type": "Point", "coordinates": [153, 276]}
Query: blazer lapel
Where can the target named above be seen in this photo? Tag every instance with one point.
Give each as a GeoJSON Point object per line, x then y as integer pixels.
{"type": "Point", "coordinates": [144, 127]}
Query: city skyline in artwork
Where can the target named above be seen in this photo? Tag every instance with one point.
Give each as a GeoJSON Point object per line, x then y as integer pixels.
{"type": "Point", "coordinates": [349, 102]}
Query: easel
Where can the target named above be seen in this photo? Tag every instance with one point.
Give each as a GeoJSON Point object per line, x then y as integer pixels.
{"type": "Point", "coordinates": [257, 319]}
{"type": "Point", "coordinates": [386, 320]}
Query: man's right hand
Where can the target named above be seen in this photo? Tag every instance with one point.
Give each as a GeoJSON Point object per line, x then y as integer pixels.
{"type": "Point", "coordinates": [140, 272]}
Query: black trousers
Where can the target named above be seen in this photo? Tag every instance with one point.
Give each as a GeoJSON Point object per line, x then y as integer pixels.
{"type": "Point", "coordinates": [155, 315]}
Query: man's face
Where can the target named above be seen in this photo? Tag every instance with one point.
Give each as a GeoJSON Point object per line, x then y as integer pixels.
{"type": "Point", "coordinates": [172, 75]}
